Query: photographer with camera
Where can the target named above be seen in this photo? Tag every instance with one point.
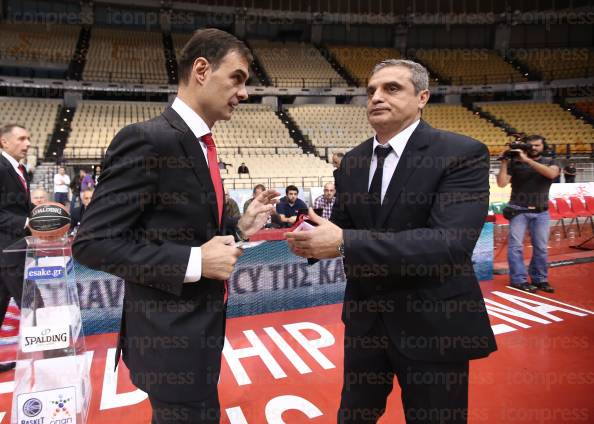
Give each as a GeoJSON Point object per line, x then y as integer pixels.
{"type": "Point", "coordinates": [531, 175]}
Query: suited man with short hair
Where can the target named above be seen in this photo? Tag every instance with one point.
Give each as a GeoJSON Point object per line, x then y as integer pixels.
{"type": "Point", "coordinates": [410, 205]}
{"type": "Point", "coordinates": [155, 220]}
{"type": "Point", "coordinates": [15, 206]}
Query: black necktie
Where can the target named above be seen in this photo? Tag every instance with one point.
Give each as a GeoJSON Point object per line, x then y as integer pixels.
{"type": "Point", "coordinates": [375, 189]}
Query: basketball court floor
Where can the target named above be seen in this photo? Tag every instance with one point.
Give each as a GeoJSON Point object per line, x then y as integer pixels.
{"type": "Point", "coordinates": [286, 367]}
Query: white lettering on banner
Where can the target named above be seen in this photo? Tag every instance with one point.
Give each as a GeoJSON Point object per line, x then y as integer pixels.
{"type": "Point", "coordinates": [233, 357]}
{"type": "Point", "coordinates": [109, 397]}
{"type": "Point", "coordinates": [2, 414]}
{"type": "Point", "coordinates": [287, 350]}
{"type": "Point", "coordinates": [235, 415]}
{"type": "Point", "coordinates": [502, 329]}
{"type": "Point", "coordinates": [275, 408]}
{"type": "Point", "coordinates": [501, 311]}
{"type": "Point", "coordinates": [313, 346]}
{"type": "Point", "coordinates": [538, 307]}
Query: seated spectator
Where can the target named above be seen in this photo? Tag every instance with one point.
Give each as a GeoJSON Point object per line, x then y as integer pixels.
{"type": "Point", "coordinates": [223, 165]}
{"type": "Point", "coordinates": [243, 169]}
{"type": "Point", "coordinates": [289, 206]}
{"type": "Point", "coordinates": [77, 213]}
{"type": "Point", "coordinates": [258, 188]}
{"type": "Point", "coordinates": [325, 202]}
{"type": "Point", "coordinates": [39, 196]}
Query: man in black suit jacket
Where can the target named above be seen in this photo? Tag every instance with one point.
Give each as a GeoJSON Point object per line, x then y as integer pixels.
{"type": "Point", "coordinates": [410, 206]}
{"type": "Point", "coordinates": [15, 206]}
{"type": "Point", "coordinates": [155, 221]}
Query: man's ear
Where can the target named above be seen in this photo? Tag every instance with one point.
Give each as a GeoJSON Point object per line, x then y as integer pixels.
{"type": "Point", "coordinates": [423, 98]}
{"type": "Point", "coordinates": [200, 70]}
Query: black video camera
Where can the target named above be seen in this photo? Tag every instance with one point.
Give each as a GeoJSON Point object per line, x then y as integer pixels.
{"type": "Point", "coordinates": [515, 145]}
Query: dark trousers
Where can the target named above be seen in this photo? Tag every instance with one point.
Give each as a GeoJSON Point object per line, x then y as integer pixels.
{"type": "Point", "coordinates": [11, 285]}
{"type": "Point", "coordinates": [206, 411]}
{"type": "Point", "coordinates": [432, 392]}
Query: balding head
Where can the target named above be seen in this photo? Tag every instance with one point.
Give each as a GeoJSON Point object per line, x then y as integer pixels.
{"type": "Point", "coordinates": [329, 190]}
{"type": "Point", "coordinates": [39, 196]}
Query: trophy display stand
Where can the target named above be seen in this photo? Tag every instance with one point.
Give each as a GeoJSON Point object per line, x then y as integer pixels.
{"type": "Point", "coordinates": [52, 382]}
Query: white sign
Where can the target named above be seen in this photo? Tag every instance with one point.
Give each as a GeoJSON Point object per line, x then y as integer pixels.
{"type": "Point", "coordinates": [57, 405]}
{"type": "Point", "coordinates": [36, 339]}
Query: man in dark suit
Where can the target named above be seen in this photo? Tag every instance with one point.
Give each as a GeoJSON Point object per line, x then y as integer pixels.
{"type": "Point", "coordinates": [155, 221]}
{"type": "Point", "coordinates": [410, 206]}
{"type": "Point", "coordinates": [15, 206]}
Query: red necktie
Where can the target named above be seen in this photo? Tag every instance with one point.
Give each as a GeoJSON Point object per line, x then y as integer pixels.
{"type": "Point", "coordinates": [215, 175]}
{"type": "Point", "coordinates": [22, 178]}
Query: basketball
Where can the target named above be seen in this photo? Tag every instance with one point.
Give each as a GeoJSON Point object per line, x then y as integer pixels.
{"type": "Point", "coordinates": [49, 220]}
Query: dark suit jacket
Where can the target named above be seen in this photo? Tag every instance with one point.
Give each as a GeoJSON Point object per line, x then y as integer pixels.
{"type": "Point", "coordinates": [413, 266]}
{"type": "Point", "coordinates": [154, 202]}
{"type": "Point", "coordinates": [15, 205]}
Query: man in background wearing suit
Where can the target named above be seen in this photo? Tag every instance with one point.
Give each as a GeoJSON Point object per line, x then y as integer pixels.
{"type": "Point", "coordinates": [155, 221]}
{"type": "Point", "coordinates": [15, 206]}
{"type": "Point", "coordinates": [410, 205]}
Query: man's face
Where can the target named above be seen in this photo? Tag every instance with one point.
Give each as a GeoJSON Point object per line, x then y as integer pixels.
{"type": "Point", "coordinates": [391, 98]}
{"type": "Point", "coordinates": [38, 197]}
{"type": "Point", "coordinates": [61, 171]}
{"type": "Point", "coordinates": [292, 196]}
{"type": "Point", "coordinates": [224, 87]}
{"type": "Point", "coordinates": [258, 192]}
{"type": "Point", "coordinates": [329, 191]}
{"type": "Point", "coordinates": [86, 197]}
{"type": "Point", "coordinates": [82, 173]}
{"type": "Point", "coordinates": [16, 143]}
{"type": "Point", "coordinates": [537, 148]}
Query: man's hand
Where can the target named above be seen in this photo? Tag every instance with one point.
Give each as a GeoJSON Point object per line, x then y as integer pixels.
{"type": "Point", "coordinates": [322, 242]}
{"type": "Point", "coordinates": [219, 256]}
{"type": "Point", "coordinates": [257, 213]}
{"type": "Point", "coordinates": [522, 156]}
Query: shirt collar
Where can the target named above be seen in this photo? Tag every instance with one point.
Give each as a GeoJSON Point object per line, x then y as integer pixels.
{"type": "Point", "coordinates": [191, 118]}
{"type": "Point", "coordinates": [398, 142]}
{"type": "Point", "coordinates": [13, 161]}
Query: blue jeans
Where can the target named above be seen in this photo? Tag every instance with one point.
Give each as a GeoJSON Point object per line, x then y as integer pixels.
{"type": "Point", "coordinates": [538, 226]}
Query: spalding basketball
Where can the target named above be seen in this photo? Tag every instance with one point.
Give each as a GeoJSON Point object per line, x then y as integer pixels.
{"type": "Point", "coordinates": [49, 220]}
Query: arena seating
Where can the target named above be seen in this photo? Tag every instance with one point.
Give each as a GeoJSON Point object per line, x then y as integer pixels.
{"type": "Point", "coordinates": [126, 56]}
{"type": "Point", "coordinates": [550, 120]}
{"type": "Point", "coordinates": [95, 124]}
{"type": "Point", "coordinates": [338, 128]}
{"type": "Point", "coordinates": [469, 66]}
{"type": "Point", "coordinates": [37, 115]}
{"type": "Point", "coordinates": [341, 127]}
{"type": "Point", "coordinates": [295, 65]}
{"type": "Point", "coordinates": [359, 61]}
{"type": "Point", "coordinates": [561, 63]}
{"type": "Point", "coordinates": [459, 119]}
{"type": "Point", "coordinates": [38, 43]}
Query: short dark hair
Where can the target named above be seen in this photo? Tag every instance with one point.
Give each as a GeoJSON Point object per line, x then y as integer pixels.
{"type": "Point", "coordinates": [213, 45]}
{"type": "Point", "coordinates": [259, 186]}
{"type": "Point", "coordinates": [534, 137]}
{"type": "Point", "coordinates": [291, 188]}
{"type": "Point", "coordinates": [5, 129]}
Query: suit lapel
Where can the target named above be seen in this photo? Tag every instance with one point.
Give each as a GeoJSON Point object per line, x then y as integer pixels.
{"type": "Point", "coordinates": [14, 175]}
{"type": "Point", "coordinates": [192, 149]}
{"type": "Point", "coordinates": [357, 173]}
{"type": "Point", "coordinates": [415, 147]}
